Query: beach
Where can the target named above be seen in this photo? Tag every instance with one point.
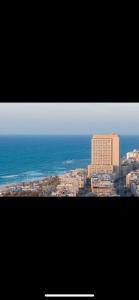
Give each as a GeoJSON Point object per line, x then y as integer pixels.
{"type": "Point", "coordinates": [67, 184]}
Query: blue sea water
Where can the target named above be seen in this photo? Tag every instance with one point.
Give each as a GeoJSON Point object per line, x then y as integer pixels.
{"type": "Point", "coordinates": [26, 158]}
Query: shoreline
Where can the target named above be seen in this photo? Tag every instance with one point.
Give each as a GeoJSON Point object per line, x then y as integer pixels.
{"type": "Point", "coordinates": [8, 185]}
{"type": "Point", "coordinates": [36, 180]}
{"type": "Point", "coordinates": [22, 183]}
{"type": "Point", "coordinates": [33, 183]}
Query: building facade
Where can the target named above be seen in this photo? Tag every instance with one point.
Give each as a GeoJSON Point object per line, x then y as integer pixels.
{"type": "Point", "coordinates": [133, 154]}
{"type": "Point", "coordinates": [105, 154]}
{"type": "Point", "coordinates": [102, 185]}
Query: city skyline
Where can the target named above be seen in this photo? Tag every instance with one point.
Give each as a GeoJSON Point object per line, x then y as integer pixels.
{"type": "Point", "coordinates": [69, 118]}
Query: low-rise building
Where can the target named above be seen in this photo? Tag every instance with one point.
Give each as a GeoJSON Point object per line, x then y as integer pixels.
{"type": "Point", "coordinates": [132, 182]}
{"type": "Point", "coordinates": [133, 154]}
{"type": "Point", "coordinates": [103, 185]}
{"type": "Point", "coordinates": [71, 182]}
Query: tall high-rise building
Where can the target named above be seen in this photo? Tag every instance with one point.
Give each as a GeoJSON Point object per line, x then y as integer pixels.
{"type": "Point", "coordinates": [105, 154]}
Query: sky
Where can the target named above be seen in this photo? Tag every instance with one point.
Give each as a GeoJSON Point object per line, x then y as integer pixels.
{"type": "Point", "coordinates": [69, 118]}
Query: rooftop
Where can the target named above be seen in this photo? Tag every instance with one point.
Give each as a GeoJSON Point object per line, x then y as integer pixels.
{"type": "Point", "coordinates": [105, 135]}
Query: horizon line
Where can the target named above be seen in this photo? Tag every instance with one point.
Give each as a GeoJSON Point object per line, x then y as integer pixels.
{"type": "Point", "coordinates": [63, 134]}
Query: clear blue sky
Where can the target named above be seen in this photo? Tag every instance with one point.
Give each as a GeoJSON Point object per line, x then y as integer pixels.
{"type": "Point", "coordinates": [69, 118]}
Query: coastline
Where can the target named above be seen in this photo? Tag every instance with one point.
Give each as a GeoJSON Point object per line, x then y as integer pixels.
{"type": "Point", "coordinates": [67, 184]}
{"type": "Point", "coordinates": [8, 185]}
{"type": "Point", "coordinates": [31, 181]}
{"type": "Point", "coordinates": [38, 181]}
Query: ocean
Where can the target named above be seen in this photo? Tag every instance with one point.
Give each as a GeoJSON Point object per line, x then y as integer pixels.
{"type": "Point", "coordinates": [27, 158]}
